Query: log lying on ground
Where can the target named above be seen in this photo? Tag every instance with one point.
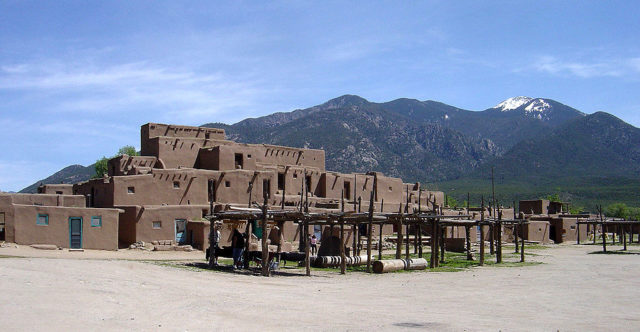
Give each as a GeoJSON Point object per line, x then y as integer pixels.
{"type": "Point", "coordinates": [335, 261]}
{"type": "Point", "coordinates": [417, 264]}
{"type": "Point", "coordinates": [390, 265]}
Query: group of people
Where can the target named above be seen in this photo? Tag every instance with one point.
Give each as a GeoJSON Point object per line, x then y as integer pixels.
{"type": "Point", "coordinates": [238, 241]}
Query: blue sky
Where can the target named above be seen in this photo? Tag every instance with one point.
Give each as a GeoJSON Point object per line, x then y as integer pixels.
{"type": "Point", "coordinates": [78, 78]}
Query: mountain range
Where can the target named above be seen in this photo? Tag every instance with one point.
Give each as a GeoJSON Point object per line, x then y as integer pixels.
{"type": "Point", "coordinates": [536, 146]}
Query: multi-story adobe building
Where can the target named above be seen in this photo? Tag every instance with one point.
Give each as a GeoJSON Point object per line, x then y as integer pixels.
{"type": "Point", "coordinates": [184, 171]}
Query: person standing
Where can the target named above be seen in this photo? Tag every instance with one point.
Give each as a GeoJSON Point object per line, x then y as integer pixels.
{"type": "Point", "coordinates": [237, 243]}
{"type": "Point", "coordinates": [314, 244]}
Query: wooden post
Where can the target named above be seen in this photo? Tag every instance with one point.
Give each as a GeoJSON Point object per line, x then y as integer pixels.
{"type": "Point", "coordinates": [343, 257]}
{"type": "Point", "coordinates": [359, 204]}
{"type": "Point", "coordinates": [492, 249]}
{"type": "Point", "coordinates": [380, 242]}
{"type": "Point", "coordinates": [415, 239]}
{"type": "Point", "coordinates": [624, 236]}
{"type": "Point", "coordinates": [443, 231]}
{"type": "Point", "coordinates": [307, 249]}
{"type": "Point", "coordinates": [407, 242]}
{"type": "Point", "coordinates": [499, 239]}
{"type": "Point", "coordinates": [354, 230]}
{"type": "Point", "coordinates": [282, 203]}
{"type": "Point", "coordinates": [265, 234]}
{"type": "Point", "coordinates": [604, 240]}
{"type": "Point", "coordinates": [468, 242]}
{"type": "Point", "coordinates": [482, 232]}
{"type": "Point", "coordinates": [522, 241]}
{"type": "Point", "coordinates": [433, 244]}
{"type": "Point", "coordinates": [515, 237]}
{"type": "Point", "coordinates": [342, 200]}
{"type": "Point", "coordinates": [481, 261]}
{"type": "Point", "coordinates": [400, 237]}
{"type": "Point", "coordinates": [578, 230]}
{"type": "Point", "coordinates": [245, 254]}
{"type": "Point", "coordinates": [419, 237]}
{"type": "Point", "coordinates": [369, 232]}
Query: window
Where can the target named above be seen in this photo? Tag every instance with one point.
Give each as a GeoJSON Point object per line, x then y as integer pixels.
{"type": "Point", "coordinates": [131, 190]}
{"type": "Point", "coordinates": [157, 225]}
{"type": "Point", "coordinates": [280, 181]}
{"type": "Point", "coordinates": [238, 160]}
{"type": "Point", "coordinates": [248, 156]}
{"type": "Point", "coordinates": [43, 219]}
{"type": "Point", "coordinates": [96, 221]}
{"type": "Point", "coordinates": [227, 184]}
{"type": "Point", "coordinates": [176, 184]}
{"type": "Point", "coordinates": [58, 192]}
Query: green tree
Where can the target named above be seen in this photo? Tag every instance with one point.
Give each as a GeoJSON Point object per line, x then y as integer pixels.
{"type": "Point", "coordinates": [553, 198]}
{"type": "Point", "coordinates": [101, 167]}
{"type": "Point", "coordinates": [101, 164]}
{"type": "Point", "coordinates": [128, 150]}
{"type": "Point", "coordinates": [618, 210]}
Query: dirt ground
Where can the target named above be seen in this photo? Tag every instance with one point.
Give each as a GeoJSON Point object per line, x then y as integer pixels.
{"type": "Point", "coordinates": [93, 290]}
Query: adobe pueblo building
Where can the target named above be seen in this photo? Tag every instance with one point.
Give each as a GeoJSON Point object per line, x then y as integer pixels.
{"type": "Point", "coordinates": [183, 172]}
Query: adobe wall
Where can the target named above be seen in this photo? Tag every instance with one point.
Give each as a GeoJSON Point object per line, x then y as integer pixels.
{"type": "Point", "coordinates": [98, 192]}
{"type": "Point", "coordinates": [151, 130]}
{"type": "Point", "coordinates": [540, 206]}
{"type": "Point", "coordinates": [389, 189]}
{"type": "Point", "coordinates": [566, 230]}
{"type": "Point", "coordinates": [282, 155]}
{"type": "Point", "coordinates": [56, 189]}
{"type": "Point", "coordinates": [233, 186]}
{"type": "Point", "coordinates": [26, 231]}
{"type": "Point", "coordinates": [45, 199]}
{"type": "Point", "coordinates": [130, 165]}
{"type": "Point", "coordinates": [166, 215]}
{"type": "Point", "coordinates": [537, 231]}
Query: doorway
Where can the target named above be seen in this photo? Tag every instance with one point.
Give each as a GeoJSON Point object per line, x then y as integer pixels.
{"type": "Point", "coordinates": [181, 231]}
{"type": "Point", "coordinates": [75, 232]}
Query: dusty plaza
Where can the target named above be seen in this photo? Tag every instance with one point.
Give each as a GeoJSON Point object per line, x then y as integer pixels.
{"type": "Point", "coordinates": [574, 289]}
{"type": "Point", "coordinates": [201, 233]}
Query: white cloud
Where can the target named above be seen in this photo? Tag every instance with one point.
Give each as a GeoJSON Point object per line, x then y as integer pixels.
{"type": "Point", "coordinates": [584, 69]}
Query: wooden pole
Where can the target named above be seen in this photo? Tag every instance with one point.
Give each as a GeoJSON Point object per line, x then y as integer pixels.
{"type": "Point", "coordinates": [482, 232]}
{"type": "Point", "coordinates": [522, 242]}
{"type": "Point", "coordinates": [380, 231]}
{"type": "Point", "coordinates": [624, 236]}
{"type": "Point", "coordinates": [342, 200]}
{"type": "Point", "coordinates": [354, 229]}
{"type": "Point", "coordinates": [433, 244]}
{"type": "Point", "coordinates": [499, 239]}
{"type": "Point", "coordinates": [481, 261]}
{"type": "Point", "coordinates": [343, 258]}
{"type": "Point", "coordinates": [265, 247]}
{"type": "Point", "coordinates": [407, 242]}
{"type": "Point", "coordinates": [443, 231]}
{"type": "Point", "coordinates": [400, 237]}
{"type": "Point", "coordinates": [468, 242]}
{"type": "Point", "coordinates": [419, 238]}
{"type": "Point", "coordinates": [307, 249]}
{"type": "Point", "coordinates": [578, 230]}
{"type": "Point", "coordinates": [369, 232]}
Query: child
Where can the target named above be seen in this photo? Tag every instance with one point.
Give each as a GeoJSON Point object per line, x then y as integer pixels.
{"type": "Point", "coordinates": [314, 244]}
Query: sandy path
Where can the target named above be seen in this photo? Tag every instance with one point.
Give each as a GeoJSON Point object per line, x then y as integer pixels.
{"type": "Point", "coordinates": [572, 291]}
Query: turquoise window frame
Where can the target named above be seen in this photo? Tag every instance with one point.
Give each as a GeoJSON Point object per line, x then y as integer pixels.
{"type": "Point", "coordinates": [99, 218]}
{"type": "Point", "coordinates": [46, 219]}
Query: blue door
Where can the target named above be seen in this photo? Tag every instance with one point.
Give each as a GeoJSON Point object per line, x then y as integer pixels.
{"type": "Point", "coordinates": [75, 232]}
{"type": "Point", "coordinates": [181, 231]}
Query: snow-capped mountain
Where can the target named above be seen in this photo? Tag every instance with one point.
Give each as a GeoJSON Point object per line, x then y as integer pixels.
{"type": "Point", "coordinates": [513, 103]}
{"type": "Point", "coordinates": [537, 108]}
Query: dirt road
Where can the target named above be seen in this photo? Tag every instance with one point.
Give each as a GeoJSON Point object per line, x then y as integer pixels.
{"type": "Point", "coordinates": [571, 291]}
